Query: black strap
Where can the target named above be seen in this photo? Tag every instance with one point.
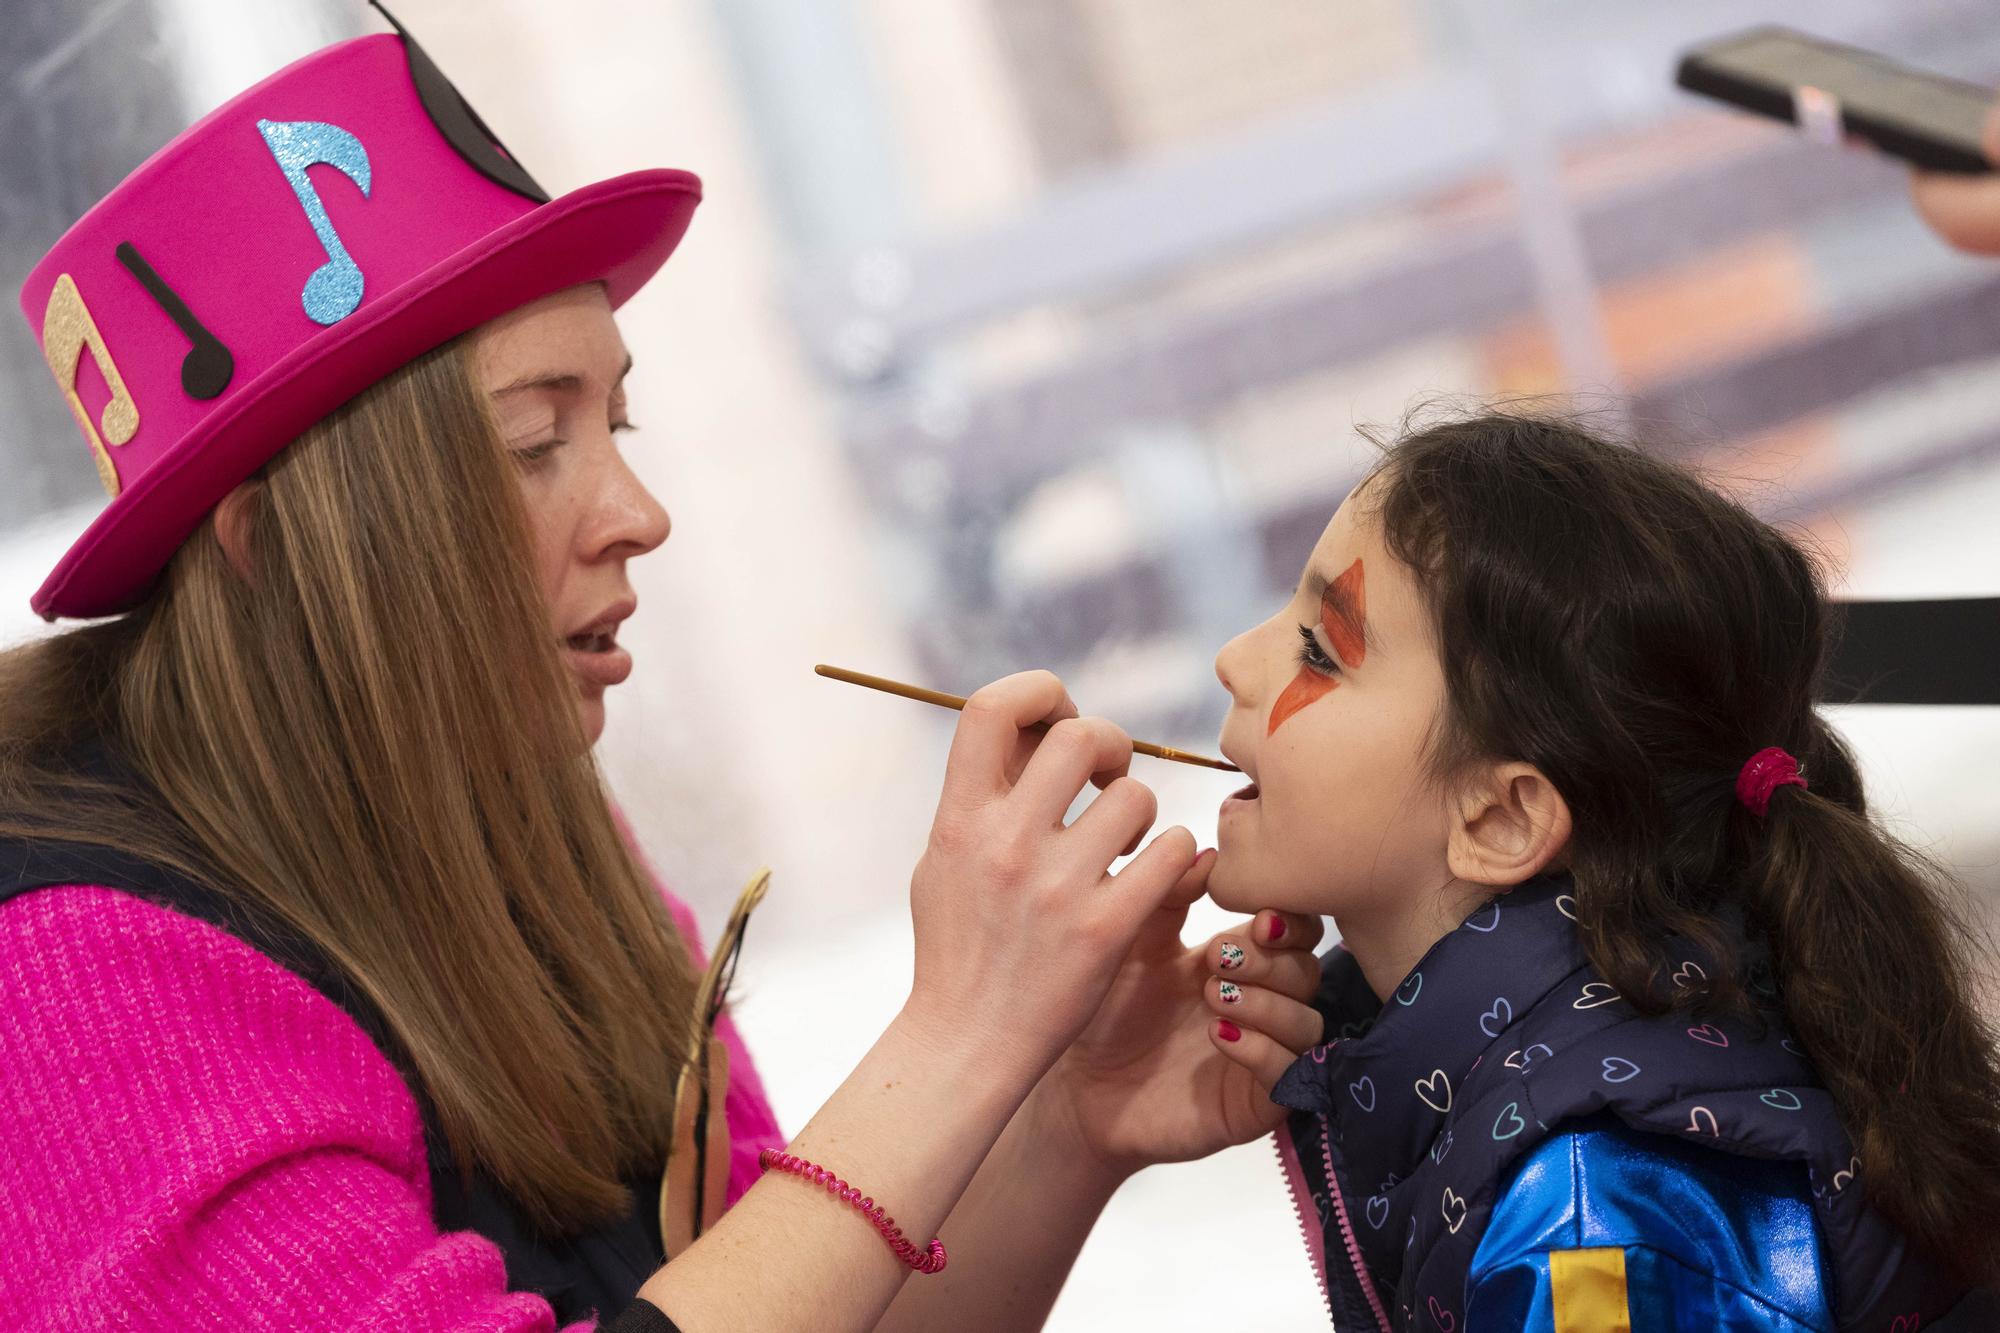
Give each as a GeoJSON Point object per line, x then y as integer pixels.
{"type": "Point", "coordinates": [1940, 651]}
{"type": "Point", "coordinates": [641, 1316]}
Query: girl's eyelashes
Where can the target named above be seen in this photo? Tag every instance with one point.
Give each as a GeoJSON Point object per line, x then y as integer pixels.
{"type": "Point", "coordinates": [1314, 657]}
{"type": "Point", "coordinates": [620, 427]}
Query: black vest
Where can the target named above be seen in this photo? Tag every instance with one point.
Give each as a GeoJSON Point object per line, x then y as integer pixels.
{"type": "Point", "coordinates": [1504, 1034]}
{"type": "Point", "coordinates": [598, 1270]}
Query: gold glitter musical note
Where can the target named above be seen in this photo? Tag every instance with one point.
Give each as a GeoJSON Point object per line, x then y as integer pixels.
{"type": "Point", "coordinates": [67, 329]}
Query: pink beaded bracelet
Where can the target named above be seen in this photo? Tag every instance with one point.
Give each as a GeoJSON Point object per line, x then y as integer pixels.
{"type": "Point", "coordinates": [927, 1260]}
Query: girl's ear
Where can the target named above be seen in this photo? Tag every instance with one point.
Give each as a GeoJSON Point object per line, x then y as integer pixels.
{"type": "Point", "coordinates": [1510, 828]}
{"type": "Point", "coordinates": [232, 527]}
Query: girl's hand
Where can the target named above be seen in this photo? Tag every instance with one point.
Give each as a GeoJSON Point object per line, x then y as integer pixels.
{"type": "Point", "coordinates": [1154, 1078]}
{"type": "Point", "coordinates": [1019, 924]}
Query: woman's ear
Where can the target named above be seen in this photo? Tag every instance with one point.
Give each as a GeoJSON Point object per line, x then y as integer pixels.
{"type": "Point", "coordinates": [232, 528]}
{"type": "Point", "coordinates": [1510, 828]}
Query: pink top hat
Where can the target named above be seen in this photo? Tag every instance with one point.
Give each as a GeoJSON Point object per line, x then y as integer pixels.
{"type": "Point", "coordinates": [331, 224]}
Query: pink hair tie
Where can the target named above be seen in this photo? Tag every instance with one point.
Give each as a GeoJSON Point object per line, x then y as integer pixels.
{"type": "Point", "coordinates": [1768, 770]}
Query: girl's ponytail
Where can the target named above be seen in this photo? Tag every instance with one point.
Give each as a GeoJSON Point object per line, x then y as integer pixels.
{"type": "Point", "coordinates": [1869, 945]}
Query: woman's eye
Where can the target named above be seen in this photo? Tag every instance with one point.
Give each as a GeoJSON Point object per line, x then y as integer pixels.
{"type": "Point", "coordinates": [1314, 656]}
{"type": "Point", "coordinates": [535, 453]}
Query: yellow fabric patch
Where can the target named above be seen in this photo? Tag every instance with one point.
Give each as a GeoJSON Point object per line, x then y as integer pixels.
{"type": "Point", "coordinates": [1587, 1290]}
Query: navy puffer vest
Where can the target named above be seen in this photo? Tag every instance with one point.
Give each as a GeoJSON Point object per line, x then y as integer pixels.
{"type": "Point", "coordinates": [1502, 1034]}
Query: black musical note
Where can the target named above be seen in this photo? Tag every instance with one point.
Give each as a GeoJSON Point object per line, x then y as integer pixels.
{"type": "Point", "coordinates": [206, 369]}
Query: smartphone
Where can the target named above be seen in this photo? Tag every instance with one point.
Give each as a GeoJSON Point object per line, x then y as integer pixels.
{"type": "Point", "coordinates": [1832, 91]}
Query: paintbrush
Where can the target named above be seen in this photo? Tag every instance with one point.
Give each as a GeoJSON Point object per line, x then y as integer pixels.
{"type": "Point", "coordinates": [943, 700]}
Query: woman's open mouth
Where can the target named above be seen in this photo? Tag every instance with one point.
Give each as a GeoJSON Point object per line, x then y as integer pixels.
{"type": "Point", "coordinates": [597, 659]}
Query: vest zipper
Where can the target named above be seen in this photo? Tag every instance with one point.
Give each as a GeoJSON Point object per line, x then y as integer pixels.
{"type": "Point", "coordinates": [1288, 1163]}
{"type": "Point", "coordinates": [1346, 1227]}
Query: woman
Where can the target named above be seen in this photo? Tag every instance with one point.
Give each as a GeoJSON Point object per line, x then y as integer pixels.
{"type": "Point", "coordinates": [334, 996]}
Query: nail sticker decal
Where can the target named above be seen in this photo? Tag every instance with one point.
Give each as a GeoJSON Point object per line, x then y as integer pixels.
{"type": "Point", "coordinates": [1230, 993]}
{"type": "Point", "coordinates": [1232, 956]}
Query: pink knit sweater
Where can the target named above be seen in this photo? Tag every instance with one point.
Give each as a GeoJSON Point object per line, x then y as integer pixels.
{"type": "Point", "coordinates": [196, 1138]}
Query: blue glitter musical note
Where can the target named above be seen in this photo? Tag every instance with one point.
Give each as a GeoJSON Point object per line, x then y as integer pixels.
{"type": "Point", "coordinates": [334, 289]}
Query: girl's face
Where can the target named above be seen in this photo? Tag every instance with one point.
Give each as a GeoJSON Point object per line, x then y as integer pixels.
{"type": "Point", "coordinates": [1334, 698]}
{"type": "Point", "coordinates": [555, 369]}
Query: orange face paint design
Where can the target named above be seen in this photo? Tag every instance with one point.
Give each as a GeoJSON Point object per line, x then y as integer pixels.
{"type": "Point", "coordinates": [1343, 615]}
{"type": "Point", "coordinates": [1306, 687]}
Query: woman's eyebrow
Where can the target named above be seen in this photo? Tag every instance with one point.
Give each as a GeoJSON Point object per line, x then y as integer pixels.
{"type": "Point", "coordinates": [1343, 599]}
{"type": "Point", "coordinates": [563, 381]}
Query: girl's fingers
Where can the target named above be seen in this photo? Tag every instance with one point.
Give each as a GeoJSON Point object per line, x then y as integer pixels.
{"type": "Point", "coordinates": [1286, 930]}
{"type": "Point", "coordinates": [1255, 1051]}
{"type": "Point", "coordinates": [1293, 1025]}
{"type": "Point", "coordinates": [1234, 956]}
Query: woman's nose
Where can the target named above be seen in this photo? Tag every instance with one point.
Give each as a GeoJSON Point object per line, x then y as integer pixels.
{"type": "Point", "coordinates": [628, 517]}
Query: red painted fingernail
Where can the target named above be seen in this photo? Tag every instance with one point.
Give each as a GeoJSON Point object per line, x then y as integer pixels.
{"type": "Point", "coordinates": [1227, 1030]}
{"type": "Point", "coordinates": [1277, 929]}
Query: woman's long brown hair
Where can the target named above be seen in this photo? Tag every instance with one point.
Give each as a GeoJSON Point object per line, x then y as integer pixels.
{"type": "Point", "coordinates": [1610, 619]}
{"type": "Point", "coordinates": [370, 731]}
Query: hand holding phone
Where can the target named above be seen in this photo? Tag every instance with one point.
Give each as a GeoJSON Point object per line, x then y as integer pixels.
{"type": "Point", "coordinates": [1964, 210]}
{"type": "Point", "coordinates": [1947, 128]}
{"type": "Point", "coordinates": [1836, 92]}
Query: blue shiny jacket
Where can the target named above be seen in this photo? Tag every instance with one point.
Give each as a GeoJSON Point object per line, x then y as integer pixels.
{"type": "Point", "coordinates": [1505, 1143]}
{"type": "Point", "coordinates": [1605, 1227]}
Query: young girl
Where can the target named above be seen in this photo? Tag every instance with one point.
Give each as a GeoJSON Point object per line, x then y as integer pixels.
{"type": "Point", "coordinates": [1640, 1022]}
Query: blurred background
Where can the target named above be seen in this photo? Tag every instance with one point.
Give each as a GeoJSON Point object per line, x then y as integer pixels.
{"type": "Point", "coordinates": [1036, 332]}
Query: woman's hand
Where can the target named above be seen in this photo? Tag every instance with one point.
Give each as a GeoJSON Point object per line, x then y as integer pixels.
{"type": "Point", "coordinates": [1155, 1078]}
{"type": "Point", "coordinates": [1019, 923]}
{"type": "Point", "coordinates": [1964, 210]}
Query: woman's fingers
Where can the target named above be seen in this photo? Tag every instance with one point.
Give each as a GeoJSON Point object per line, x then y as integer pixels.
{"type": "Point", "coordinates": [1286, 930]}
{"type": "Point", "coordinates": [1072, 752]}
{"type": "Point", "coordinates": [1114, 822]}
{"type": "Point", "coordinates": [1147, 882]}
{"type": "Point", "coordinates": [1254, 1050]}
{"type": "Point", "coordinates": [1286, 1021]}
{"type": "Point", "coordinates": [1235, 956]}
{"type": "Point", "coordinates": [988, 748]}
